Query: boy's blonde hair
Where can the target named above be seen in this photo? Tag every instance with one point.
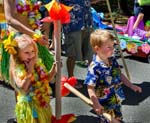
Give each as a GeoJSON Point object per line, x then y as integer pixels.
{"type": "Point", "coordinates": [98, 37]}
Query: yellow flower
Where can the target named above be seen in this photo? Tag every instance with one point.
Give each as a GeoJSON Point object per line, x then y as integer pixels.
{"type": "Point", "coordinates": [36, 36]}
{"type": "Point", "coordinates": [38, 84]}
{"type": "Point", "coordinates": [10, 44]}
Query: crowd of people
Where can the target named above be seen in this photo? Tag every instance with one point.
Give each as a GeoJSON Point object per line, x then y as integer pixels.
{"type": "Point", "coordinates": [29, 67]}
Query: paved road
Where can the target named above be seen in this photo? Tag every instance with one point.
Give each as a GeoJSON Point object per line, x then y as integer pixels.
{"type": "Point", "coordinates": [136, 108]}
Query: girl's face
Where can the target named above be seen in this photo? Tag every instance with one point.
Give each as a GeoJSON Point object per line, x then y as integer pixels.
{"type": "Point", "coordinates": [107, 49]}
{"type": "Point", "coordinates": [27, 54]}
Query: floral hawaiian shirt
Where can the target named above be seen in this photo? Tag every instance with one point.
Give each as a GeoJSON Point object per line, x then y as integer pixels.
{"type": "Point", "coordinates": [107, 82]}
{"type": "Point", "coordinates": [80, 15]}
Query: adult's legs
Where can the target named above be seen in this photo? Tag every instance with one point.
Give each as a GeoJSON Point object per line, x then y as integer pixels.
{"type": "Point", "coordinates": [72, 44]}
{"type": "Point", "coordinates": [70, 66]}
{"type": "Point", "coordinates": [87, 50]}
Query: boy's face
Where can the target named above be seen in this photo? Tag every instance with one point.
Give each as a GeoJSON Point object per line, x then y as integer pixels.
{"type": "Point", "coordinates": [27, 54]}
{"type": "Point", "coordinates": [107, 49]}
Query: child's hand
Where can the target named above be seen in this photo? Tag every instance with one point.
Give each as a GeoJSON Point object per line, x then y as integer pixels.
{"type": "Point", "coordinates": [136, 88]}
{"type": "Point", "coordinates": [52, 72]}
{"type": "Point", "coordinates": [99, 109]}
{"type": "Point", "coordinates": [43, 41]}
{"type": "Point", "coordinates": [30, 65]}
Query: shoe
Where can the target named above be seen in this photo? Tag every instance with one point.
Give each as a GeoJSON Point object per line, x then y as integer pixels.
{"type": "Point", "coordinates": [13, 120]}
{"type": "Point", "coordinates": [83, 64]}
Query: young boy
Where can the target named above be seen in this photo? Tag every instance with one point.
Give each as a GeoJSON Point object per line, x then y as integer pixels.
{"type": "Point", "coordinates": [104, 77]}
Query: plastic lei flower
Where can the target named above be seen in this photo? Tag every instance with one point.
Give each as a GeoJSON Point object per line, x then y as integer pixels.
{"type": "Point", "coordinates": [40, 85]}
{"type": "Point", "coordinates": [20, 71]}
{"type": "Point", "coordinates": [36, 37]}
{"type": "Point", "coordinates": [132, 47]}
{"type": "Point", "coordinates": [123, 44]}
{"type": "Point", "coordinates": [146, 48]}
{"type": "Point", "coordinates": [10, 44]}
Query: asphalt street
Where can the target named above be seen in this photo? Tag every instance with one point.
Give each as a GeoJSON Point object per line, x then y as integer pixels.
{"type": "Point", "coordinates": [136, 107]}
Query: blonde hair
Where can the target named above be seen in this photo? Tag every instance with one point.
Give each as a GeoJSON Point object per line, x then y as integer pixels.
{"type": "Point", "coordinates": [24, 41]}
{"type": "Point", "coordinates": [98, 37]}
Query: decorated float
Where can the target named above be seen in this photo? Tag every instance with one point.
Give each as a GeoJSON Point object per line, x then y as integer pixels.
{"type": "Point", "coordinates": [136, 47]}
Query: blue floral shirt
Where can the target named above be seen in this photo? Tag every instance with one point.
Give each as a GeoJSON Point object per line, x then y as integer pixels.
{"type": "Point", "coordinates": [80, 15]}
{"type": "Point", "coordinates": [107, 82]}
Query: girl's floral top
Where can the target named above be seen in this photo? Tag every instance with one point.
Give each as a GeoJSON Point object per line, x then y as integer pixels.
{"type": "Point", "coordinates": [39, 89]}
{"type": "Point", "coordinates": [107, 82]}
{"type": "Point", "coordinates": [30, 8]}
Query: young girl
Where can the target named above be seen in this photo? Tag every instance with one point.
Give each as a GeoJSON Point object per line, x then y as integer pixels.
{"type": "Point", "coordinates": [104, 78]}
{"type": "Point", "coordinates": [30, 78]}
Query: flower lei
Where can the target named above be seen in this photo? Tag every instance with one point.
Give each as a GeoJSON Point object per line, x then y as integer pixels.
{"type": "Point", "coordinates": [30, 8]}
{"type": "Point", "coordinates": [40, 89]}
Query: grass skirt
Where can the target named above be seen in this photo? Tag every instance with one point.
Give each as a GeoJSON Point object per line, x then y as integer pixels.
{"type": "Point", "coordinates": [28, 111]}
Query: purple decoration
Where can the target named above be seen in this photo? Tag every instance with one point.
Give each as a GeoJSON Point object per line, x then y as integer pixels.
{"type": "Point", "coordinates": [129, 29]}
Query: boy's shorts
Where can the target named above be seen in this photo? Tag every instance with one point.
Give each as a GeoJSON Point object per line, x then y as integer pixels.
{"type": "Point", "coordinates": [77, 45]}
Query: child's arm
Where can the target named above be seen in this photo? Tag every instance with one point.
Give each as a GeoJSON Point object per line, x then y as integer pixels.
{"type": "Point", "coordinates": [22, 83]}
{"type": "Point", "coordinates": [52, 72]}
{"type": "Point", "coordinates": [129, 84]}
{"type": "Point", "coordinates": [25, 82]}
{"type": "Point", "coordinates": [138, 20]}
{"type": "Point", "coordinates": [96, 105]}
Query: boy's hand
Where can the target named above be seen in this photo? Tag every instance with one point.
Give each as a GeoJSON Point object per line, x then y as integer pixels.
{"type": "Point", "coordinates": [99, 109]}
{"type": "Point", "coordinates": [136, 88]}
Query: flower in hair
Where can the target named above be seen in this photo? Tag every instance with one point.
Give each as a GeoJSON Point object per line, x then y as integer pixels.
{"type": "Point", "coordinates": [10, 44]}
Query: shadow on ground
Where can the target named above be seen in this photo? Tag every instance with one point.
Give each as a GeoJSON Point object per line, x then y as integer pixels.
{"type": "Point", "coordinates": [86, 119]}
{"type": "Point", "coordinates": [82, 90]}
{"type": "Point", "coordinates": [136, 58]}
{"type": "Point", "coordinates": [6, 85]}
{"type": "Point", "coordinates": [133, 98]}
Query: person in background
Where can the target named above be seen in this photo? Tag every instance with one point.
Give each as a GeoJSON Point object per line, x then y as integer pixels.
{"type": "Point", "coordinates": [30, 78]}
{"type": "Point", "coordinates": [104, 78]}
{"type": "Point", "coordinates": [25, 18]}
{"type": "Point", "coordinates": [76, 34]}
{"type": "Point", "coordinates": [138, 25]}
{"type": "Point", "coordinates": [141, 12]}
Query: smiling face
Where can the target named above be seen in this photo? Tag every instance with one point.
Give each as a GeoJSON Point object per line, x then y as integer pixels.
{"type": "Point", "coordinates": [27, 54]}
